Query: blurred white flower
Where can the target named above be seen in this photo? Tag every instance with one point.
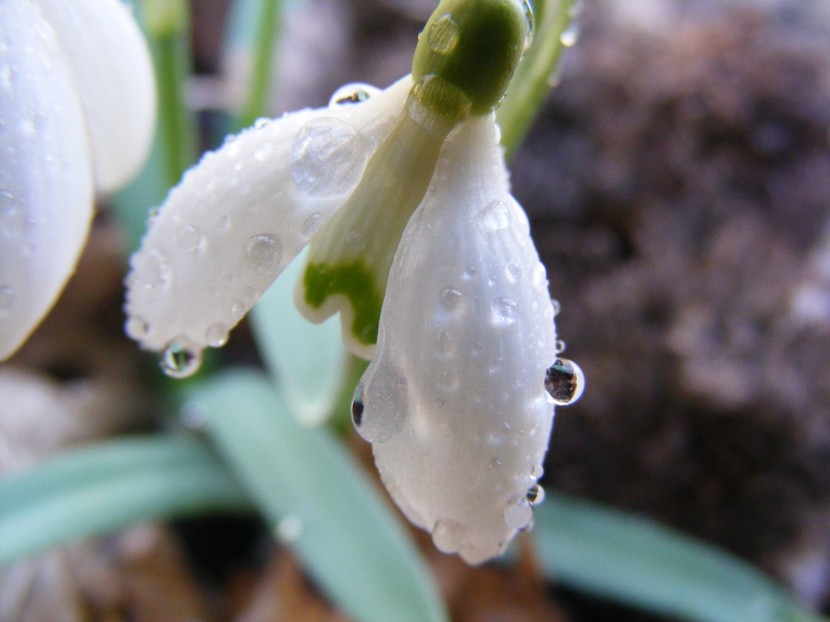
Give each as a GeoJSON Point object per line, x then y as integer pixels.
{"type": "Point", "coordinates": [77, 113]}
{"type": "Point", "coordinates": [418, 243]}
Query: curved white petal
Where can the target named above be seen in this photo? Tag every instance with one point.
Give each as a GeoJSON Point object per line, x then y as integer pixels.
{"type": "Point", "coordinates": [455, 402]}
{"type": "Point", "coordinates": [243, 213]}
{"type": "Point", "coordinates": [45, 173]}
{"type": "Point", "coordinates": [114, 78]}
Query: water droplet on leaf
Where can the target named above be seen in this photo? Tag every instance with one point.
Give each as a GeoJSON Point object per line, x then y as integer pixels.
{"type": "Point", "coordinates": [495, 216]}
{"type": "Point", "coordinates": [264, 253]}
{"type": "Point", "coordinates": [505, 311]}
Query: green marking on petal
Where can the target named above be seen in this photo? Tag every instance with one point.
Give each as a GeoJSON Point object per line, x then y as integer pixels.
{"type": "Point", "coordinates": [475, 46]}
{"type": "Point", "coordinates": [357, 283]}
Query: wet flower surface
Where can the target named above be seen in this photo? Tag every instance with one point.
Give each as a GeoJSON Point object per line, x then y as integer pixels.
{"type": "Point", "coordinates": [77, 113]}
{"type": "Point", "coordinates": [417, 242]}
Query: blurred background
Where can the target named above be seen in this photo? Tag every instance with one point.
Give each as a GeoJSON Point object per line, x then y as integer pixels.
{"type": "Point", "coordinates": [678, 185]}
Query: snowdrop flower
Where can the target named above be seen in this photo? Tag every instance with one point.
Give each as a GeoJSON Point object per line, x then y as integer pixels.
{"type": "Point", "coordinates": [77, 112]}
{"type": "Point", "coordinates": [417, 242]}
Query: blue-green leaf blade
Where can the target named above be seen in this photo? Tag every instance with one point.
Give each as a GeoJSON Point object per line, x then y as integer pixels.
{"type": "Point", "coordinates": [348, 539]}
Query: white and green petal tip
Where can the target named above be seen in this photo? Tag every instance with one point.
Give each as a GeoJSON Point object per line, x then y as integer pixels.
{"type": "Point", "coordinates": [403, 196]}
{"type": "Point", "coordinates": [77, 113]}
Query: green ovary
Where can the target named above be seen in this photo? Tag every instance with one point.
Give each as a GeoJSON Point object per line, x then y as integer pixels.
{"type": "Point", "coordinates": [357, 283]}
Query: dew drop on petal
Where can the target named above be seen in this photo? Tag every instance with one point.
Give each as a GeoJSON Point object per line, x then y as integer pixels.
{"type": "Point", "coordinates": [328, 157]}
{"type": "Point", "coordinates": [155, 270]}
{"type": "Point", "coordinates": [451, 299]}
{"type": "Point", "coordinates": [443, 35]}
{"type": "Point", "coordinates": [189, 238]}
{"type": "Point", "coordinates": [180, 359]}
{"type": "Point", "coordinates": [518, 515]}
{"type": "Point", "coordinates": [495, 216]}
{"type": "Point", "coordinates": [353, 93]}
{"type": "Point", "coordinates": [262, 123]}
{"type": "Point", "coordinates": [357, 406]}
{"type": "Point", "coordinates": [448, 535]}
{"type": "Point", "coordinates": [512, 272]}
{"type": "Point", "coordinates": [505, 311]}
{"type": "Point", "coordinates": [264, 253]}
{"type": "Point", "coordinates": [312, 224]}
{"type": "Point", "coordinates": [535, 494]}
{"type": "Point", "coordinates": [537, 471]}
{"type": "Point", "coordinates": [559, 346]}
{"type": "Point", "coordinates": [556, 306]}
{"type": "Point", "coordinates": [356, 241]}
{"type": "Point", "coordinates": [564, 381]}
{"type": "Point", "coordinates": [264, 151]}
{"type": "Point", "coordinates": [216, 335]}
{"type": "Point", "coordinates": [136, 328]}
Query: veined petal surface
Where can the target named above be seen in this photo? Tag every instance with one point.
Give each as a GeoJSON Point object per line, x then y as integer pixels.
{"type": "Point", "coordinates": [113, 75]}
{"type": "Point", "coordinates": [45, 173]}
{"type": "Point", "coordinates": [243, 213]}
{"type": "Point", "coordinates": [454, 402]}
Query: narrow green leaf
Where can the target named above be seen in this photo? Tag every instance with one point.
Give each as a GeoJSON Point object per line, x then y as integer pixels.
{"type": "Point", "coordinates": [319, 502]}
{"type": "Point", "coordinates": [307, 360]}
{"type": "Point", "coordinates": [534, 76]}
{"type": "Point", "coordinates": [100, 488]}
{"type": "Point", "coordinates": [636, 561]}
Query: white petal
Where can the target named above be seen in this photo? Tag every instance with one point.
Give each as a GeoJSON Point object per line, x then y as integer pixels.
{"type": "Point", "coordinates": [243, 213]}
{"type": "Point", "coordinates": [455, 402]}
{"type": "Point", "coordinates": [114, 77]}
{"type": "Point", "coordinates": [45, 173]}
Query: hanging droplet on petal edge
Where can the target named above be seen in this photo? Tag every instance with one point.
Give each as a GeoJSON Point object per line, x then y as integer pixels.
{"type": "Point", "coordinates": [564, 381]}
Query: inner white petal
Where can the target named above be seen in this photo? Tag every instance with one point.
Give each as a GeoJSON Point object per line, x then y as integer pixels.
{"type": "Point", "coordinates": [243, 213]}
{"type": "Point", "coordinates": [113, 75]}
{"type": "Point", "coordinates": [45, 173]}
{"type": "Point", "coordinates": [455, 402]}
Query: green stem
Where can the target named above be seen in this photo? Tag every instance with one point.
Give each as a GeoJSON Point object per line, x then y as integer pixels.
{"type": "Point", "coordinates": [532, 81]}
{"type": "Point", "coordinates": [267, 29]}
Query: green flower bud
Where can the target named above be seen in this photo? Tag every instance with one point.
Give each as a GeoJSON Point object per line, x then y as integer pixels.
{"type": "Point", "coordinates": [473, 47]}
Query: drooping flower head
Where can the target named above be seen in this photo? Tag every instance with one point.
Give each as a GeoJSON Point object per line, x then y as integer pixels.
{"type": "Point", "coordinates": [77, 113]}
{"type": "Point", "coordinates": [418, 243]}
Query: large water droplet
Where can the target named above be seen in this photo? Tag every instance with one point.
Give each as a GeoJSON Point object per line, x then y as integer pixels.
{"type": "Point", "coordinates": [264, 253]}
{"type": "Point", "coordinates": [136, 328]}
{"type": "Point", "coordinates": [353, 93]}
{"type": "Point", "coordinates": [189, 238]}
{"type": "Point", "coordinates": [495, 216]}
{"type": "Point", "coordinates": [216, 335]}
{"type": "Point", "coordinates": [505, 311]}
{"type": "Point", "coordinates": [154, 270]}
{"type": "Point", "coordinates": [443, 35]}
{"type": "Point", "coordinates": [448, 535]}
{"type": "Point", "coordinates": [564, 381]}
{"type": "Point", "coordinates": [518, 515]}
{"type": "Point", "coordinates": [181, 359]}
{"type": "Point", "coordinates": [535, 494]}
{"type": "Point", "coordinates": [328, 157]}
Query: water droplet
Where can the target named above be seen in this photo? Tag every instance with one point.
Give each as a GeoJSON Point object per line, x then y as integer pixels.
{"type": "Point", "coordinates": [264, 253]}
{"type": "Point", "coordinates": [564, 381]}
{"type": "Point", "coordinates": [289, 529]}
{"type": "Point", "coordinates": [495, 216]}
{"type": "Point", "coordinates": [531, 25]}
{"type": "Point", "coordinates": [237, 310]}
{"type": "Point", "coordinates": [518, 515]}
{"type": "Point", "coordinates": [6, 298]}
{"type": "Point", "coordinates": [570, 35]}
{"type": "Point", "coordinates": [443, 35]}
{"type": "Point", "coordinates": [312, 224]}
{"type": "Point", "coordinates": [154, 270]}
{"type": "Point", "coordinates": [448, 535]}
{"type": "Point", "coordinates": [535, 494]}
{"type": "Point", "coordinates": [352, 94]}
{"type": "Point", "coordinates": [451, 299]}
{"type": "Point", "coordinates": [216, 335]}
{"type": "Point", "coordinates": [537, 471]}
{"type": "Point", "coordinates": [180, 359]}
{"type": "Point", "coordinates": [328, 157]}
{"type": "Point", "coordinates": [505, 311]}
{"type": "Point", "coordinates": [556, 306]}
{"type": "Point", "coordinates": [470, 272]}
{"type": "Point", "coordinates": [494, 464]}
{"type": "Point", "coordinates": [136, 328]}
{"type": "Point", "coordinates": [513, 273]}
{"type": "Point", "coordinates": [264, 151]}
{"type": "Point", "coordinates": [357, 406]}
{"type": "Point", "coordinates": [356, 241]}
{"type": "Point", "coordinates": [262, 123]}
{"type": "Point", "coordinates": [189, 238]}
{"type": "Point", "coordinates": [559, 346]}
